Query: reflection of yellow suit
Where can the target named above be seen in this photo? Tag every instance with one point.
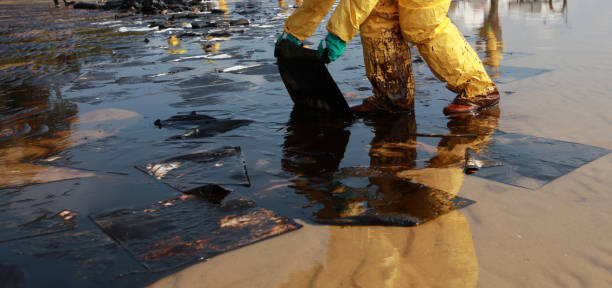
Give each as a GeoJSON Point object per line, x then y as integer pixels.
{"type": "Point", "coordinates": [491, 31]}
{"type": "Point", "coordinates": [422, 22]}
{"type": "Point", "coordinates": [439, 253]}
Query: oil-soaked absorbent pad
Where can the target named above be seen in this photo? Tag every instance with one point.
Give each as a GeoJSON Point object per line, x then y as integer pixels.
{"type": "Point", "coordinates": [174, 232]}
{"type": "Point", "coordinates": [200, 125]}
{"type": "Point", "coordinates": [222, 166]}
{"type": "Point", "coordinates": [366, 196]}
{"type": "Point", "coordinates": [531, 162]}
{"type": "Point", "coordinates": [308, 81]}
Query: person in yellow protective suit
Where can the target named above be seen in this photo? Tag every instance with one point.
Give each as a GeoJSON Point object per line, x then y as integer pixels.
{"type": "Point", "coordinates": [447, 53]}
{"type": "Point", "coordinates": [386, 54]}
{"type": "Point", "coordinates": [422, 22]}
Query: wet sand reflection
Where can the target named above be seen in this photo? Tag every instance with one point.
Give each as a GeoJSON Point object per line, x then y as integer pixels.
{"type": "Point", "coordinates": [492, 33]}
{"type": "Point", "coordinates": [438, 253]}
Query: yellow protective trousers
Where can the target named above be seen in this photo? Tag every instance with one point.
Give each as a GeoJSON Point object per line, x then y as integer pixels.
{"type": "Point", "coordinates": [424, 23]}
{"type": "Point", "coordinates": [387, 60]}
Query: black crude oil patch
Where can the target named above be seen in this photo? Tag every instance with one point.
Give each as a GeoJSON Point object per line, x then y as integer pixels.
{"type": "Point", "coordinates": [203, 125]}
{"type": "Point", "coordinates": [63, 244]}
{"type": "Point", "coordinates": [183, 230]}
{"type": "Point", "coordinates": [37, 223]}
{"type": "Point", "coordinates": [184, 121]}
{"type": "Point", "coordinates": [22, 217]}
{"type": "Point", "coordinates": [11, 276]}
{"type": "Point", "coordinates": [528, 161]}
{"type": "Point", "coordinates": [222, 166]}
{"type": "Point", "coordinates": [367, 196]}
{"type": "Point", "coordinates": [87, 256]}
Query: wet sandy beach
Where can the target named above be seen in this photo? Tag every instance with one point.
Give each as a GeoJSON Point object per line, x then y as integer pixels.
{"type": "Point", "coordinates": [81, 91]}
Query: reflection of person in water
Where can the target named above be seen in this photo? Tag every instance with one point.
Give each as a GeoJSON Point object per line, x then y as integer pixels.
{"type": "Point", "coordinates": [314, 146]}
{"type": "Point", "coordinates": [538, 6]}
{"type": "Point", "coordinates": [492, 33]}
{"type": "Point", "coordinates": [439, 252]}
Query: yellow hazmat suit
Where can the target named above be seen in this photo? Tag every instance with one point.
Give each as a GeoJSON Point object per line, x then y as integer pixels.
{"type": "Point", "coordinates": [424, 23]}
{"type": "Point", "coordinates": [386, 54]}
{"type": "Point", "coordinates": [304, 20]}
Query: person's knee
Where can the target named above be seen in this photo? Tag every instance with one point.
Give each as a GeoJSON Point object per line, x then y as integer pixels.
{"type": "Point", "coordinates": [422, 20]}
{"type": "Point", "coordinates": [379, 23]}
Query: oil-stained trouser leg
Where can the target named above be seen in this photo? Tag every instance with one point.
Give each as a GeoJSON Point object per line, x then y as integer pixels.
{"type": "Point", "coordinates": [387, 59]}
{"type": "Point", "coordinates": [449, 56]}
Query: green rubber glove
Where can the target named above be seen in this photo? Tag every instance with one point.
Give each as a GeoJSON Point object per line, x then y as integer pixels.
{"type": "Point", "coordinates": [331, 48]}
{"type": "Point", "coordinates": [287, 36]}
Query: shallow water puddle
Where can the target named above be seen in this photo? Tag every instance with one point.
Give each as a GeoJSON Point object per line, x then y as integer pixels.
{"type": "Point", "coordinates": [178, 231]}
{"type": "Point", "coordinates": [528, 161]}
{"type": "Point", "coordinates": [253, 69]}
{"type": "Point", "coordinates": [210, 95]}
{"type": "Point", "coordinates": [222, 166]}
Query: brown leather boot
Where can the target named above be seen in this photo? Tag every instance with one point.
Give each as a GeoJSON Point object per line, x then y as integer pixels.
{"type": "Point", "coordinates": [379, 105]}
{"type": "Point", "coordinates": [462, 104]}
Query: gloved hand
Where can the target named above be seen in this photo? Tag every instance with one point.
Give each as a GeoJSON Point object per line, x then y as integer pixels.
{"type": "Point", "coordinates": [331, 48]}
{"type": "Point", "coordinates": [287, 36]}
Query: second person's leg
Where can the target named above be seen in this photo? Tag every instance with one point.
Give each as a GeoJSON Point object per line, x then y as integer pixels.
{"type": "Point", "coordinates": [387, 60]}
{"type": "Point", "coordinates": [449, 56]}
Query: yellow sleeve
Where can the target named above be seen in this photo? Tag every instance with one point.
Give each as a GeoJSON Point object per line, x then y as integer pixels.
{"type": "Point", "coordinates": [348, 16]}
{"type": "Point", "coordinates": [304, 20]}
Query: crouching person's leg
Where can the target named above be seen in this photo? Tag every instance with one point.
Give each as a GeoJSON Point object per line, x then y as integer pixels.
{"type": "Point", "coordinates": [387, 61]}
